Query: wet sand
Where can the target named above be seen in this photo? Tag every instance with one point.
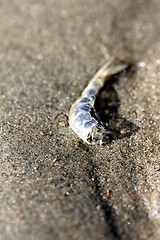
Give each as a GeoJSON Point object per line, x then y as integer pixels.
{"type": "Point", "coordinates": [52, 185]}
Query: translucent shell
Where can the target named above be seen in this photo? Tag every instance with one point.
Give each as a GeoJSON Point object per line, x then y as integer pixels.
{"type": "Point", "coordinates": [81, 120]}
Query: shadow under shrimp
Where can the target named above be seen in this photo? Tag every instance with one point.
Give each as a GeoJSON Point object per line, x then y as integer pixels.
{"type": "Point", "coordinates": [106, 111]}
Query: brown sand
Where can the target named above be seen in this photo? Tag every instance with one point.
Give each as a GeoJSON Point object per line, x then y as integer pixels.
{"type": "Point", "coordinates": [53, 186]}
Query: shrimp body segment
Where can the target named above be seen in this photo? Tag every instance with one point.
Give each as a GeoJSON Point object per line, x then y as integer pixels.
{"type": "Point", "coordinates": [81, 120]}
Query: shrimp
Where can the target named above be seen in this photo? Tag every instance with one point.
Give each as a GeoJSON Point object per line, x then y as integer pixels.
{"type": "Point", "coordinates": [81, 119]}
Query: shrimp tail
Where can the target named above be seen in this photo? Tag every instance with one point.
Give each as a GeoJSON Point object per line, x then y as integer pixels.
{"type": "Point", "coordinates": [111, 67]}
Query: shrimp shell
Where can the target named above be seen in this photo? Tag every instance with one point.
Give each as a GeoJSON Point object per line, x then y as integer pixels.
{"type": "Point", "coordinates": [81, 121]}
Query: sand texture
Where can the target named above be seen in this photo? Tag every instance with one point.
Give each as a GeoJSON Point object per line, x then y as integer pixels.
{"type": "Point", "coordinates": [52, 185]}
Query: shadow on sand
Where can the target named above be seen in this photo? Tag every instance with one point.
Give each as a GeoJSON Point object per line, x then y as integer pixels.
{"type": "Point", "coordinates": [106, 111]}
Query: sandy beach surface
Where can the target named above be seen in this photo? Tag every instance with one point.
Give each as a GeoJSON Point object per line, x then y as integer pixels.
{"type": "Point", "coordinates": [53, 186]}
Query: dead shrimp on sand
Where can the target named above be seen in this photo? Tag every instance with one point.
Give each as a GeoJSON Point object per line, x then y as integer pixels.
{"type": "Point", "coordinates": [86, 126]}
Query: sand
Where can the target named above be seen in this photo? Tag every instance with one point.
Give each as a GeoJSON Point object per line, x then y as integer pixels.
{"type": "Point", "coordinates": [52, 185]}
